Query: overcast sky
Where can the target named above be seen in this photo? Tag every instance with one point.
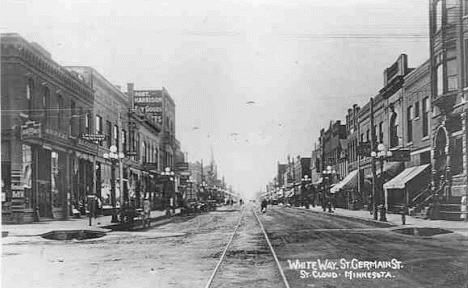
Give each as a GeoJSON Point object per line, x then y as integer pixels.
{"type": "Point", "coordinates": [302, 63]}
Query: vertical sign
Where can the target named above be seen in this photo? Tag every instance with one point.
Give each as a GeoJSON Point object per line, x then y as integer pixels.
{"type": "Point", "coordinates": [149, 102]}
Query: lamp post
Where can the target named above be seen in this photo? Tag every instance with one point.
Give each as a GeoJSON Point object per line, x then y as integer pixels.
{"type": "Point", "coordinates": [382, 154]}
{"type": "Point", "coordinates": [169, 176]}
{"type": "Point", "coordinates": [328, 175]}
{"type": "Point", "coordinates": [115, 158]}
{"type": "Point", "coordinates": [190, 182]}
{"type": "Point", "coordinates": [305, 181]}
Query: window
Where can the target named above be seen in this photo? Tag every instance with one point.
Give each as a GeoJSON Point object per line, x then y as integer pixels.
{"type": "Point", "coordinates": [362, 137]}
{"type": "Point", "coordinates": [81, 120]}
{"type": "Point", "coordinates": [124, 140]}
{"type": "Point", "coordinates": [452, 75]}
{"type": "Point", "coordinates": [99, 127]}
{"type": "Point", "coordinates": [394, 140]}
{"type": "Point", "coordinates": [116, 136]}
{"type": "Point", "coordinates": [466, 54]}
{"type": "Point", "coordinates": [29, 95]}
{"type": "Point", "coordinates": [451, 8]}
{"type": "Point", "coordinates": [143, 146]}
{"type": "Point", "coordinates": [109, 133]}
{"type": "Point", "coordinates": [457, 157]}
{"type": "Point", "coordinates": [440, 79]}
{"type": "Point", "coordinates": [425, 124]}
{"type": "Point", "coordinates": [45, 104]}
{"type": "Point", "coordinates": [73, 119]}
{"type": "Point", "coordinates": [465, 8]}
{"type": "Point", "coordinates": [381, 132]}
{"type": "Point", "coordinates": [416, 110]}
{"type": "Point", "coordinates": [88, 123]}
{"type": "Point", "coordinates": [438, 16]}
{"type": "Point", "coordinates": [410, 124]}
{"type": "Point", "coordinates": [60, 111]}
{"type": "Point", "coordinates": [367, 135]}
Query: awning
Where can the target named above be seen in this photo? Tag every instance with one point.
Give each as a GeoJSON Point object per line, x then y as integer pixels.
{"type": "Point", "coordinates": [349, 182]}
{"type": "Point", "coordinates": [399, 182]}
{"type": "Point", "coordinates": [390, 168]}
{"type": "Point", "coordinates": [290, 193]}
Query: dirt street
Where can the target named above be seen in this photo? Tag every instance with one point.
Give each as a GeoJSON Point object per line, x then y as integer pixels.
{"type": "Point", "coordinates": [338, 253]}
{"type": "Point", "coordinates": [179, 254]}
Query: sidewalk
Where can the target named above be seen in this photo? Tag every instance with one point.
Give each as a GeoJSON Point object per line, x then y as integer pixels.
{"type": "Point", "coordinates": [97, 224]}
{"type": "Point", "coordinates": [460, 227]}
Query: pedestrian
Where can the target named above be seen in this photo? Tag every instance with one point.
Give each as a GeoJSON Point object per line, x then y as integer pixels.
{"type": "Point", "coordinates": [264, 205]}
{"type": "Point", "coordinates": [404, 212]}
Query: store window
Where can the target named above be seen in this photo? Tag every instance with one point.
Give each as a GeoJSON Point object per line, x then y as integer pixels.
{"type": "Point", "coordinates": [55, 180]}
{"type": "Point", "coordinates": [26, 175]}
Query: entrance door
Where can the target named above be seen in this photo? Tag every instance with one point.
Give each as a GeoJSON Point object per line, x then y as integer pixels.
{"type": "Point", "coordinates": [45, 199]}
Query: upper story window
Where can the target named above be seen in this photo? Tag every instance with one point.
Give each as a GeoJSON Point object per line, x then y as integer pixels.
{"type": "Point", "coordinates": [29, 95]}
{"type": "Point", "coordinates": [466, 55]}
{"type": "Point", "coordinates": [416, 109]}
{"type": "Point", "coordinates": [45, 104]}
{"type": "Point", "coordinates": [425, 125]}
{"type": "Point", "coordinates": [124, 140]}
{"type": "Point", "coordinates": [394, 139]}
{"type": "Point", "coordinates": [115, 133]}
{"type": "Point", "coordinates": [440, 85]}
{"type": "Point", "coordinates": [451, 8]}
{"type": "Point", "coordinates": [438, 15]}
{"type": "Point", "coordinates": [452, 74]}
{"type": "Point", "coordinates": [381, 134]}
{"type": "Point", "coordinates": [60, 111]}
{"type": "Point", "coordinates": [73, 119]}
{"type": "Point", "coordinates": [410, 124]}
{"type": "Point", "coordinates": [109, 133]}
{"type": "Point", "coordinates": [88, 122]}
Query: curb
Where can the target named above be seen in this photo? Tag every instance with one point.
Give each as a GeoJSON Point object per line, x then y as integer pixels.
{"type": "Point", "coordinates": [360, 219]}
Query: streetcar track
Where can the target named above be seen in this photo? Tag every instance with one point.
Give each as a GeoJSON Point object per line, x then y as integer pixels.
{"type": "Point", "coordinates": [246, 254]}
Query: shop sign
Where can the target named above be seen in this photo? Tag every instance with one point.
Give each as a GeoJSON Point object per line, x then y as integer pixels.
{"type": "Point", "coordinates": [93, 137]}
{"type": "Point", "coordinates": [182, 166]}
{"type": "Point", "coordinates": [31, 130]}
{"type": "Point", "coordinates": [149, 102]}
{"type": "Point", "coordinates": [56, 134]}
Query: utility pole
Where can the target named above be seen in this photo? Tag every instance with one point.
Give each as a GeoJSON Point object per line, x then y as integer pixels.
{"type": "Point", "coordinates": [119, 149]}
{"type": "Point", "coordinates": [374, 176]}
{"type": "Point", "coordinates": [358, 128]}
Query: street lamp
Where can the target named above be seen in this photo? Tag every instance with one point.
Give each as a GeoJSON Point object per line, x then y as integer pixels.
{"type": "Point", "coordinates": [115, 158]}
{"type": "Point", "coordinates": [328, 175]}
{"type": "Point", "coordinates": [170, 176]}
{"type": "Point", "coordinates": [305, 181]}
{"type": "Point", "coordinates": [382, 155]}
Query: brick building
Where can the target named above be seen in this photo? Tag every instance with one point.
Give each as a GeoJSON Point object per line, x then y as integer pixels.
{"type": "Point", "coordinates": [45, 109]}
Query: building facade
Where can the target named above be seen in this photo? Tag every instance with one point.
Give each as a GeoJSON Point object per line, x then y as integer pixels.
{"type": "Point", "coordinates": [46, 164]}
{"type": "Point", "coordinates": [448, 30]}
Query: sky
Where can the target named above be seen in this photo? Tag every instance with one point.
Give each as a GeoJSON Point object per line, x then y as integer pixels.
{"type": "Point", "coordinates": [253, 80]}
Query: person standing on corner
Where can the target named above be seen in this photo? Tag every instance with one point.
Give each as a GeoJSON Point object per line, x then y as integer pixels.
{"type": "Point", "coordinates": [264, 205]}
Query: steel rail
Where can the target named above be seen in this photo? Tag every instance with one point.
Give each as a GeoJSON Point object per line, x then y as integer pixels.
{"type": "Point", "coordinates": [272, 251]}
{"type": "Point", "coordinates": [210, 281]}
